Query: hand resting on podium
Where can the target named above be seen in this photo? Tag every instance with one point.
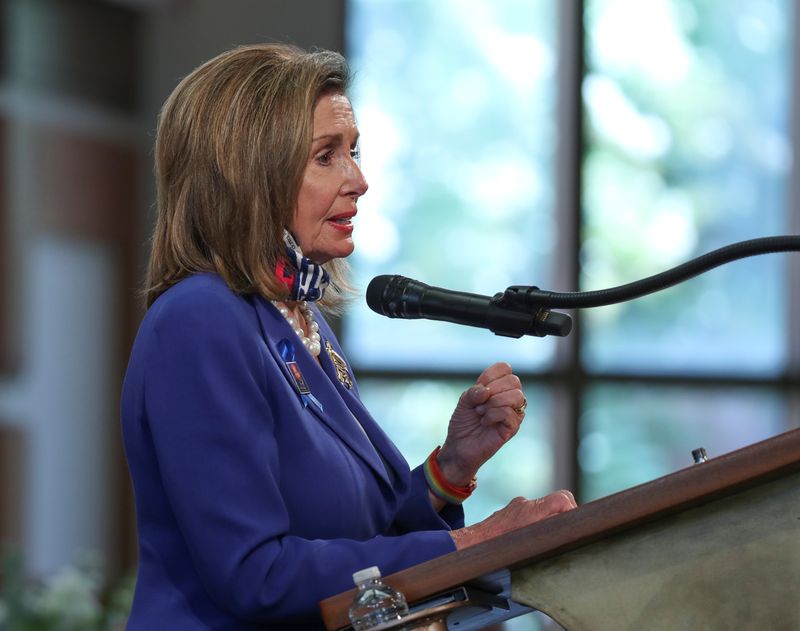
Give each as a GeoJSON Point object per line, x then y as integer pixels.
{"type": "Point", "coordinates": [518, 513]}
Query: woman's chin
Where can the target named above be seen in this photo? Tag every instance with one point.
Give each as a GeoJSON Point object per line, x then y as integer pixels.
{"type": "Point", "coordinates": [341, 251]}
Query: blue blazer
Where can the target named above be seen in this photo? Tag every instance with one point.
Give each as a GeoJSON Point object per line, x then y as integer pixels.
{"type": "Point", "coordinates": [255, 502]}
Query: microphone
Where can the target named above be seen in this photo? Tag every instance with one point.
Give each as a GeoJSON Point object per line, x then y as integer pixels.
{"type": "Point", "coordinates": [401, 297]}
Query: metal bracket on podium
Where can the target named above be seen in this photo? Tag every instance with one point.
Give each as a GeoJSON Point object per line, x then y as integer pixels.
{"type": "Point", "coordinates": [484, 602]}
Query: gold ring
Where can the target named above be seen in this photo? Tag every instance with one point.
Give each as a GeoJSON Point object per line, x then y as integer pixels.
{"type": "Point", "coordinates": [521, 409]}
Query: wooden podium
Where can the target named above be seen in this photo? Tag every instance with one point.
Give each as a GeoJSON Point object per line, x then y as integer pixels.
{"type": "Point", "coordinates": [713, 546]}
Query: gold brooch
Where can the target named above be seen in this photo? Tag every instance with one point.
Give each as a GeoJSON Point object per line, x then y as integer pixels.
{"type": "Point", "coordinates": [342, 374]}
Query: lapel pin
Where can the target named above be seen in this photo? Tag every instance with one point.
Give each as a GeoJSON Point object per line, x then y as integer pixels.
{"type": "Point", "coordinates": [287, 351]}
{"type": "Point", "coordinates": [342, 374]}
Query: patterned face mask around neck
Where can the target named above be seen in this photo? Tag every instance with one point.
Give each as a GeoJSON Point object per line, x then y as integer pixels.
{"type": "Point", "coordinates": [304, 279]}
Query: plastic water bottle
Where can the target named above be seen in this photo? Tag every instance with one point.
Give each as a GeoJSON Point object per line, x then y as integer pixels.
{"type": "Point", "coordinates": [375, 602]}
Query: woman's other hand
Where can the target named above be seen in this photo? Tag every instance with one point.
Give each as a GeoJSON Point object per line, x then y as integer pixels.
{"type": "Point", "coordinates": [518, 513]}
{"type": "Point", "coordinates": [487, 415]}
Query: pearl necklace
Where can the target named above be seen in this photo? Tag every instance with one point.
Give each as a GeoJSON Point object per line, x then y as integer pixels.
{"type": "Point", "coordinates": [312, 342]}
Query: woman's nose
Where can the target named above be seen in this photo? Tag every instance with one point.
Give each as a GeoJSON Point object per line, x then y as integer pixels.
{"type": "Point", "coordinates": [356, 183]}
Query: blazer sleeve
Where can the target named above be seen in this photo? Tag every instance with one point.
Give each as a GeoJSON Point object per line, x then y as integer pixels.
{"type": "Point", "coordinates": [208, 409]}
{"type": "Point", "coordinates": [416, 513]}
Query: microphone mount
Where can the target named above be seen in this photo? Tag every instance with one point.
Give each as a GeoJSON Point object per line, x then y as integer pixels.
{"type": "Point", "coordinates": [543, 321]}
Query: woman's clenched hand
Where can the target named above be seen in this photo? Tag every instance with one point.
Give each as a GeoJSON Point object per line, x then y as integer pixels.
{"type": "Point", "coordinates": [487, 415]}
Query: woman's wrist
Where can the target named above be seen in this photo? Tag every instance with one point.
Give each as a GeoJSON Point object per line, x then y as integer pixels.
{"type": "Point", "coordinates": [436, 502]}
{"type": "Point", "coordinates": [452, 469]}
{"type": "Point", "coordinates": [441, 486]}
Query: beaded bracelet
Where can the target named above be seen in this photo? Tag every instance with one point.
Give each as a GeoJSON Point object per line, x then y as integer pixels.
{"type": "Point", "coordinates": [439, 485]}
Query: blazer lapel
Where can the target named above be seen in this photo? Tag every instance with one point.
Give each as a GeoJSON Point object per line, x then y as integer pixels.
{"type": "Point", "coordinates": [334, 413]}
{"type": "Point", "coordinates": [331, 359]}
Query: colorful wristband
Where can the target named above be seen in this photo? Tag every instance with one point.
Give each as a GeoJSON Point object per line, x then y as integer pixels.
{"type": "Point", "coordinates": [439, 485]}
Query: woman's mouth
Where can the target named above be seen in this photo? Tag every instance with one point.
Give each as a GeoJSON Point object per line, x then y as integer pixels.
{"type": "Point", "coordinates": [342, 222]}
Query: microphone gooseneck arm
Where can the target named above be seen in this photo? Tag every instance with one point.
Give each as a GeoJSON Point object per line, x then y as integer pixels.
{"type": "Point", "coordinates": [534, 298]}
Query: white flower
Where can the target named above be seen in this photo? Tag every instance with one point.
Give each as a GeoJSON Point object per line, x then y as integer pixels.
{"type": "Point", "coordinates": [70, 597]}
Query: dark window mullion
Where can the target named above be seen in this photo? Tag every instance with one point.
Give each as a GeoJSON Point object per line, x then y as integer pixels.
{"type": "Point", "coordinates": [568, 213]}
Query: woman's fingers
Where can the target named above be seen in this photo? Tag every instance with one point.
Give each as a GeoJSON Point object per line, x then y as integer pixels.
{"type": "Point", "coordinates": [518, 513]}
{"type": "Point", "coordinates": [509, 398]}
{"type": "Point", "coordinates": [475, 396]}
{"type": "Point", "coordinates": [504, 390]}
{"type": "Point", "coordinates": [568, 498]}
{"type": "Point", "coordinates": [507, 421]}
{"type": "Point", "coordinates": [508, 381]}
{"type": "Point", "coordinates": [555, 503]}
{"type": "Point", "coordinates": [494, 372]}
{"type": "Point", "coordinates": [521, 511]}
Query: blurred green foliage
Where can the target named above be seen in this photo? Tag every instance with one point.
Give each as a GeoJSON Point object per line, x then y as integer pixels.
{"type": "Point", "coordinates": [687, 107]}
{"type": "Point", "coordinates": [75, 598]}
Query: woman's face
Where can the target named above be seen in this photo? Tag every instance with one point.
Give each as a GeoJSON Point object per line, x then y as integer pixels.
{"type": "Point", "coordinates": [332, 183]}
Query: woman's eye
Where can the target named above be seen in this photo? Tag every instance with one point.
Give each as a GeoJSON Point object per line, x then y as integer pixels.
{"type": "Point", "coordinates": [325, 158]}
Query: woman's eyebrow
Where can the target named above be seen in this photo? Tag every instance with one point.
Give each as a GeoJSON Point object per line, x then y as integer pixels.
{"type": "Point", "coordinates": [330, 137]}
{"type": "Point", "coordinates": [334, 138]}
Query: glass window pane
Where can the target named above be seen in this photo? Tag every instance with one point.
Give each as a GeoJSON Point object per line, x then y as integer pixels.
{"type": "Point", "coordinates": [455, 104]}
{"type": "Point", "coordinates": [633, 434]}
{"type": "Point", "coordinates": [415, 413]}
{"type": "Point", "coordinates": [687, 110]}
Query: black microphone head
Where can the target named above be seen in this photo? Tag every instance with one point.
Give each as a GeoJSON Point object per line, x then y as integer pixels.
{"type": "Point", "coordinates": [375, 292]}
{"type": "Point", "coordinates": [395, 296]}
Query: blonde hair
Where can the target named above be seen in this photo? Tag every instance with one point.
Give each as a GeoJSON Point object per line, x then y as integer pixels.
{"type": "Point", "coordinates": [231, 148]}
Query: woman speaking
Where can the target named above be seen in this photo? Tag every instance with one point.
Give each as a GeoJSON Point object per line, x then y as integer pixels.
{"type": "Point", "coordinates": [261, 481]}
